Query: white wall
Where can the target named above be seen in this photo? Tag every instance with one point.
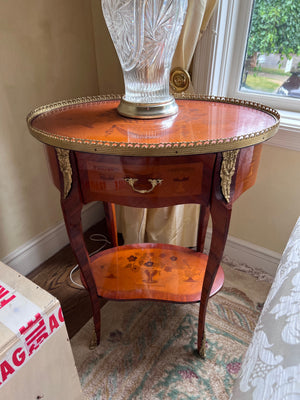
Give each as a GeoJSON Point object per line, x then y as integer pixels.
{"type": "Point", "coordinates": [110, 79]}
{"type": "Point", "coordinates": [266, 214]}
{"type": "Point", "coordinates": [47, 54]}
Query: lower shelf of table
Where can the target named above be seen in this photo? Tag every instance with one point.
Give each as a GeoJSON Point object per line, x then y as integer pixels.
{"type": "Point", "coordinates": [152, 271]}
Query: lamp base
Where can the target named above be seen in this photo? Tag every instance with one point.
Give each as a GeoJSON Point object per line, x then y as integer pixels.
{"type": "Point", "coordinates": [147, 110]}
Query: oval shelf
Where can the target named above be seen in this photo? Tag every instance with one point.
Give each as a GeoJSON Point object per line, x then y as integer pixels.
{"type": "Point", "coordinates": [153, 272]}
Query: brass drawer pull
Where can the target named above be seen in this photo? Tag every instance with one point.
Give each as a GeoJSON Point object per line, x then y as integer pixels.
{"type": "Point", "coordinates": [154, 182]}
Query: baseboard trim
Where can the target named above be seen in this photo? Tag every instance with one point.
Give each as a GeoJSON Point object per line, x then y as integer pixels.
{"type": "Point", "coordinates": [248, 257]}
{"type": "Point", "coordinates": [36, 251]}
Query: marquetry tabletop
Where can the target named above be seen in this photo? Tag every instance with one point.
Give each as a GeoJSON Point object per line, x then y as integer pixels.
{"type": "Point", "coordinates": [203, 124]}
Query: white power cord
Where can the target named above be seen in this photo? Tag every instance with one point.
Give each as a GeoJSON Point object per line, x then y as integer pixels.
{"type": "Point", "coordinates": [95, 237]}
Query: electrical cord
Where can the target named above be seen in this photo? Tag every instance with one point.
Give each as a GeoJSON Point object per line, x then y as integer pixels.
{"type": "Point", "coordinates": [95, 237]}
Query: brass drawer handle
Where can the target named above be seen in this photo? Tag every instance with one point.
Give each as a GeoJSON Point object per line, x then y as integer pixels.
{"type": "Point", "coordinates": [154, 182]}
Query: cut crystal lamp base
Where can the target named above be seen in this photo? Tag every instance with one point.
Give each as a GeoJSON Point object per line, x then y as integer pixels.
{"type": "Point", "coordinates": [147, 110]}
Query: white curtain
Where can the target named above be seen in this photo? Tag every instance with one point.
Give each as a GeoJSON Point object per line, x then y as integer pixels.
{"type": "Point", "coordinates": [175, 225]}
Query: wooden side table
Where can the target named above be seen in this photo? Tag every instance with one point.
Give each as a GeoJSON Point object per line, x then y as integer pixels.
{"type": "Point", "coordinates": [206, 154]}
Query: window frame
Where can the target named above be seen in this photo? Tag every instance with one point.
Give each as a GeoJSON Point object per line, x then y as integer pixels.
{"type": "Point", "coordinates": [219, 56]}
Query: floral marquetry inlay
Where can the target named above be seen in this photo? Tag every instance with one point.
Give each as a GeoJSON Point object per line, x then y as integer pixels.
{"type": "Point", "coordinates": [162, 272]}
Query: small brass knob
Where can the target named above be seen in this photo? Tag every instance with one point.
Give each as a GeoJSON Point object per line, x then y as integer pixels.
{"type": "Point", "coordinates": [179, 80]}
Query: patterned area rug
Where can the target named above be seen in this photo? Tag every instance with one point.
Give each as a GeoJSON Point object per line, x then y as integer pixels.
{"type": "Point", "coordinates": [147, 349]}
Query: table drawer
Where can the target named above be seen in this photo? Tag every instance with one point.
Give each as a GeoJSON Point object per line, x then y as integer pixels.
{"type": "Point", "coordinates": [145, 181]}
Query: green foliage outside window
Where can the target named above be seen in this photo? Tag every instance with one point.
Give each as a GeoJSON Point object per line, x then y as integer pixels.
{"type": "Point", "coordinates": [275, 28]}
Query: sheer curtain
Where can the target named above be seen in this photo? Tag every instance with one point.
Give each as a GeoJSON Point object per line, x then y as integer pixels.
{"type": "Point", "coordinates": [175, 225]}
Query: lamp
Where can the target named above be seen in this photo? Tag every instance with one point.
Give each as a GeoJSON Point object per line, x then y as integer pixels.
{"type": "Point", "coordinates": [145, 34]}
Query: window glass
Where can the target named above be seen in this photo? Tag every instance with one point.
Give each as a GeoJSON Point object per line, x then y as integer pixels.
{"type": "Point", "coordinates": [272, 58]}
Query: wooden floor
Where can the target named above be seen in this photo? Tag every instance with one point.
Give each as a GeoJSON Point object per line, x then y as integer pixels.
{"type": "Point", "coordinates": [54, 276]}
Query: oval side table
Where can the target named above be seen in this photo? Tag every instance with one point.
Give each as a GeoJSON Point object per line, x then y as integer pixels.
{"type": "Point", "coordinates": [207, 154]}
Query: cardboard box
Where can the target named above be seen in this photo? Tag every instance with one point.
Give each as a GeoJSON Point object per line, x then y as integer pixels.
{"type": "Point", "coordinates": [36, 360]}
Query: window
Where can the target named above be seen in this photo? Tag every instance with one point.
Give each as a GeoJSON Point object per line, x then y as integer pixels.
{"type": "Point", "coordinates": [222, 58]}
{"type": "Point", "coordinates": [272, 57]}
